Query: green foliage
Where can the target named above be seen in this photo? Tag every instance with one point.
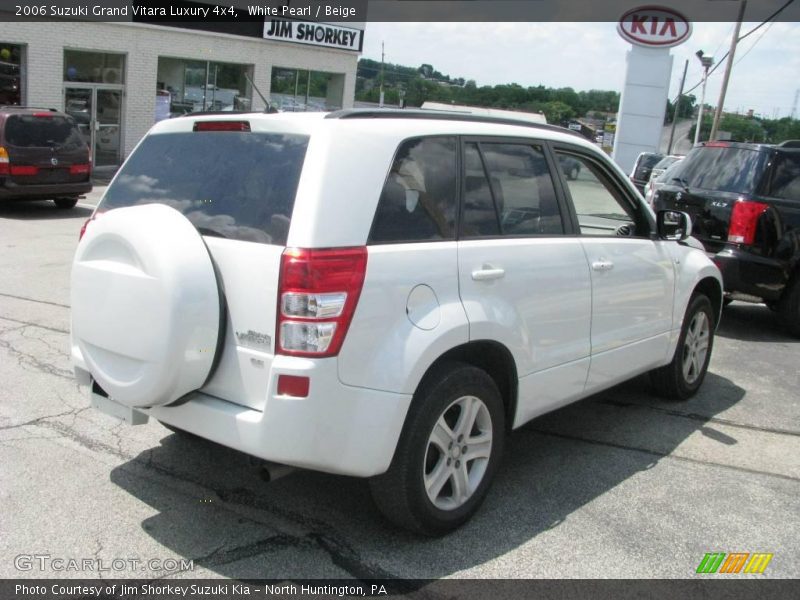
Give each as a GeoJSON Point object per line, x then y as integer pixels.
{"type": "Point", "coordinates": [427, 84]}
{"type": "Point", "coordinates": [748, 129]}
{"type": "Point", "coordinates": [687, 104]}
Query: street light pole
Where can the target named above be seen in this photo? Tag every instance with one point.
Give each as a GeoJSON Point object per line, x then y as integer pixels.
{"type": "Point", "coordinates": [706, 61]}
{"type": "Point", "coordinates": [728, 65]}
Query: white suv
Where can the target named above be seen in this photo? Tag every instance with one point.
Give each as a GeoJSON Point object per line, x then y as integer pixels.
{"type": "Point", "coordinates": [383, 294]}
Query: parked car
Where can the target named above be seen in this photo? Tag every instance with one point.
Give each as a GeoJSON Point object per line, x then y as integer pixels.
{"type": "Point", "coordinates": [744, 200]}
{"type": "Point", "coordinates": [382, 294]}
{"type": "Point", "coordinates": [42, 156]}
{"type": "Point", "coordinates": [657, 176]}
{"type": "Point", "coordinates": [640, 174]}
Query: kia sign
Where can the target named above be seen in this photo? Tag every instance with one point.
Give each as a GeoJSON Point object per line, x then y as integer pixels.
{"type": "Point", "coordinates": [654, 26]}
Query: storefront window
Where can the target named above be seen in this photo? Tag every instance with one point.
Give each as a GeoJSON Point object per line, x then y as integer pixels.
{"type": "Point", "coordinates": [10, 74]}
{"type": "Point", "coordinates": [301, 90]}
{"type": "Point", "coordinates": [93, 67]}
{"type": "Point", "coordinates": [195, 86]}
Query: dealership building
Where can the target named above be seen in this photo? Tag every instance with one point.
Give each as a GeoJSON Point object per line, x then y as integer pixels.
{"type": "Point", "coordinates": [118, 78]}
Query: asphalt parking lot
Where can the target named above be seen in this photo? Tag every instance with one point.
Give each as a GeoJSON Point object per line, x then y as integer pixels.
{"type": "Point", "coordinates": [621, 485]}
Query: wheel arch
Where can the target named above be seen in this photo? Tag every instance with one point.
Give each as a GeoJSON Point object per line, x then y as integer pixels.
{"type": "Point", "coordinates": [713, 290]}
{"type": "Point", "coordinates": [493, 358]}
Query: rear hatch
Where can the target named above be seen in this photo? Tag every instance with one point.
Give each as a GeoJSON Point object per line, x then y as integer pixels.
{"type": "Point", "coordinates": [45, 148]}
{"type": "Point", "coordinates": [708, 183]}
{"type": "Point", "coordinates": [237, 188]}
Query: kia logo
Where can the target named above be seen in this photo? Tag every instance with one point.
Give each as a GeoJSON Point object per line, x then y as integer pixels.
{"type": "Point", "coordinates": [654, 26]}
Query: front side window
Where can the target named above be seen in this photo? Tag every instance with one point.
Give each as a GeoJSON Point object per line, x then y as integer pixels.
{"type": "Point", "coordinates": [418, 201]}
{"type": "Point", "coordinates": [508, 191]}
{"type": "Point", "coordinates": [600, 206]}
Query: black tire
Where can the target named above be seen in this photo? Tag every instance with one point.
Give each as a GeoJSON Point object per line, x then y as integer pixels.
{"type": "Point", "coordinates": [65, 203]}
{"type": "Point", "coordinates": [789, 307]}
{"type": "Point", "coordinates": [672, 381]}
{"type": "Point", "coordinates": [401, 494]}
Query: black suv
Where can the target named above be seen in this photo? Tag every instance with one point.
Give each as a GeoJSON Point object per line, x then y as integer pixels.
{"type": "Point", "coordinates": [42, 156]}
{"type": "Point", "coordinates": [744, 200]}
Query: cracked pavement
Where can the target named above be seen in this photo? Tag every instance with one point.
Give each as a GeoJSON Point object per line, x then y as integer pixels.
{"type": "Point", "coordinates": [619, 485]}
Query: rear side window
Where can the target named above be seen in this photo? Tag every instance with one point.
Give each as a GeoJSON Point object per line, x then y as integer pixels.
{"type": "Point", "coordinates": [418, 201]}
{"type": "Point", "coordinates": [785, 182]}
{"type": "Point", "coordinates": [508, 191]}
{"type": "Point", "coordinates": [29, 131]}
{"type": "Point", "coordinates": [238, 185]}
{"type": "Point", "coordinates": [722, 168]}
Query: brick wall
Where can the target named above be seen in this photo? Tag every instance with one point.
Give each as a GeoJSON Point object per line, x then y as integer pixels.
{"type": "Point", "coordinates": [142, 45]}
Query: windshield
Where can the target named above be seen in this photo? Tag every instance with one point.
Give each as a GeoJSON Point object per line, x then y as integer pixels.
{"type": "Point", "coordinates": [722, 168]}
{"type": "Point", "coordinates": [31, 131]}
{"type": "Point", "coordinates": [238, 185]}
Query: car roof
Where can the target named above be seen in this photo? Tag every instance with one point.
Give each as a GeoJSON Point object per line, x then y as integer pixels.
{"type": "Point", "coordinates": [393, 126]}
{"type": "Point", "coordinates": [27, 109]}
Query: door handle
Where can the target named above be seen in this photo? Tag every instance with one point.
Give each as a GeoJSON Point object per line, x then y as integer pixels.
{"type": "Point", "coordinates": [487, 273]}
{"type": "Point", "coordinates": [602, 265]}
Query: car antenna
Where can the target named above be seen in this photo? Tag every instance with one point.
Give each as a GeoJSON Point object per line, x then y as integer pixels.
{"type": "Point", "coordinates": [270, 108]}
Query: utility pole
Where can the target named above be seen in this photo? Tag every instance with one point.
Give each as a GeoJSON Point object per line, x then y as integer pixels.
{"type": "Point", "coordinates": [380, 101]}
{"type": "Point", "coordinates": [676, 112]}
{"type": "Point", "coordinates": [728, 66]}
{"type": "Point", "coordinates": [794, 105]}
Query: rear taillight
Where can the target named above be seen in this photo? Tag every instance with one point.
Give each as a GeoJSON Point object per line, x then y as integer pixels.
{"type": "Point", "coordinates": [96, 214]}
{"type": "Point", "coordinates": [84, 226]}
{"type": "Point", "coordinates": [318, 294]}
{"type": "Point", "coordinates": [80, 169]}
{"type": "Point", "coordinates": [744, 220]}
{"type": "Point", "coordinates": [4, 167]}
{"type": "Point", "coordinates": [26, 170]}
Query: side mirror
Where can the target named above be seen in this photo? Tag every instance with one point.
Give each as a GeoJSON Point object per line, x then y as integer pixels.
{"type": "Point", "coordinates": [673, 225]}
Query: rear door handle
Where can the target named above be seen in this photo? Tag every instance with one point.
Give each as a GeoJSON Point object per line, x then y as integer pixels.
{"type": "Point", "coordinates": [487, 272]}
{"type": "Point", "coordinates": [602, 265]}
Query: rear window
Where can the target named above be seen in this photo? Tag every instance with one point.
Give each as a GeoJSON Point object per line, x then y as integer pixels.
{"type": "Point", "coordinates": [723, 169]}
{"type": "Point", "coordinates": [29, 131]}
{"type": "Point", "coordinates": [229, 184]}
{"type": "Point", "coordinates": [645, 164]}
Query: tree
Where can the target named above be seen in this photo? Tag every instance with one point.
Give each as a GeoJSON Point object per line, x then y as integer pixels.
{"type": "Point", "coordinates": [557, 112]}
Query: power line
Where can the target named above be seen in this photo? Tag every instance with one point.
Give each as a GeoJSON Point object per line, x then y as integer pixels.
{"type": "Point", "coordinates": [753, 30]}
{"type": "Point", "coordinates": [754, 44]}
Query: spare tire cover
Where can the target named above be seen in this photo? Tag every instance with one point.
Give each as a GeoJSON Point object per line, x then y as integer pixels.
{"type": "Point", "coordinates": [145, 305]}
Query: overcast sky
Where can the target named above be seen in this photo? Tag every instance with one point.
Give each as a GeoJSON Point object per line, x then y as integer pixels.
{"type": "Point", "coordinates": [587, 56]}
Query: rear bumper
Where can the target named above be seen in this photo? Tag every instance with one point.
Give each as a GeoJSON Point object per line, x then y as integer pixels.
{"type": "Point", "coordinates": [746, 273]}
{"type": "Point", "coordinates": [12, 191]}
{"type": "Point", "coordinates": [338, 428]}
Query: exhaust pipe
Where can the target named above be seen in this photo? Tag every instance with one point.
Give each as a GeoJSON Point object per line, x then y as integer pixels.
{"type": "Point", "coordinates": [271, 471]}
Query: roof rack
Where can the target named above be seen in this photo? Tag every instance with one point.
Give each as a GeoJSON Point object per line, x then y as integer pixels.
{"type": "Point", "coordinates": [439, 115]}
{"type": "Point", "coordinates": [27, 107]}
